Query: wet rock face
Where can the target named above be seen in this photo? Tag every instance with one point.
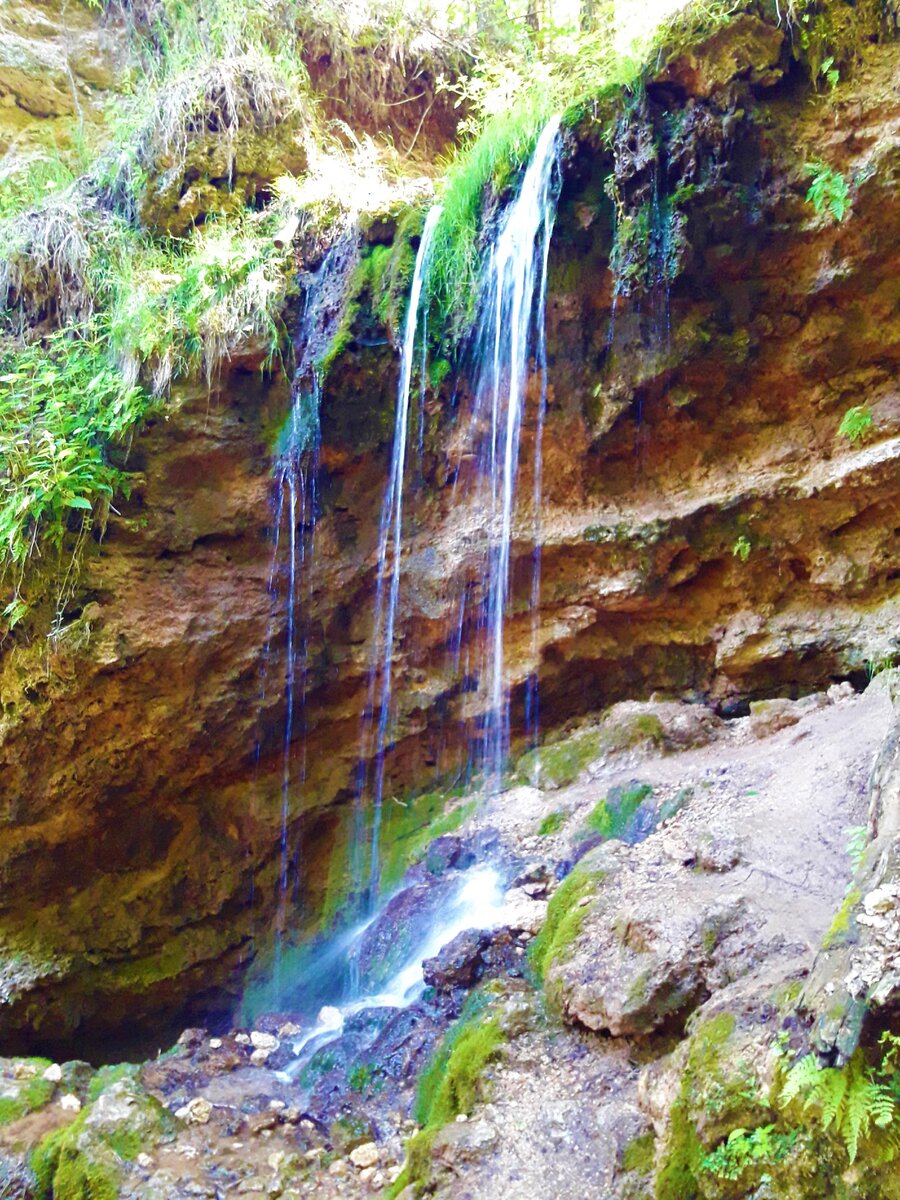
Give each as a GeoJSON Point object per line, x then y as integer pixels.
{"type": "Point", "coordinates": [137, 819]}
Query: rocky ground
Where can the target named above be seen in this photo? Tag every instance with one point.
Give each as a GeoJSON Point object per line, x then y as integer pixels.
{"type": "Point", "coordinates": [728, 862]}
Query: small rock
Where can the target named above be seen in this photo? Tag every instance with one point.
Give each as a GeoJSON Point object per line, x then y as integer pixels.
{"type": "Point", "coordinates": [462, 1117]}
{"type": "Point", "coordinates": [338, 1167]}
{"type": "Point", "coordinates": [264, 1041]}
{"type": "Point", "coordinates": [262, 1121]}
{"type": "Point", "coordinates": [192, 1037]}
{"type": "Point", "coordinates": [365, 1155]}
{"type": "Point", "coordinates": [242, 1039]}
{"type": "Point", "coordinates": [289, 1030]}
{"type": "Point", "coordinates": [53, 1074]}
{"type": "Point", "coordinates": [215, 1043]}
{"type": "Point", "coordinates": [881, 900]}
{"type": "Point", "coordinates": [195, 1112]}
{"type": "Point", "coordinates": [145, 1161]}
{"type": "Point", "coordinates": [316, 1152]}
{"type": "Point", "coordinates": [840, 691]}
{"type": "Point", "coordinates": [277, 1105]}
{"type": "Point", "coordinates": [366, 1173]}
{"type": "Point", "coordinates": [70, 1103]}
{"type": "Point", "coordinates": [260, 1057]}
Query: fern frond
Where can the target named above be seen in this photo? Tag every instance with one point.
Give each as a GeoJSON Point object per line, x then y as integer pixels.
{"type": "Point", "coordinates": [800, 1078]}
{"type": "Point", "coordinates": [829, 1094]}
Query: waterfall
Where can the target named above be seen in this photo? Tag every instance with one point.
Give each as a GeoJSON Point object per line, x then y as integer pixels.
{"type": "Point", "coordinates": [509, 334]}
{"type": "Point", "coordinates": [295, 512]}
{"type": "Point", "coordinates": [377, 718]}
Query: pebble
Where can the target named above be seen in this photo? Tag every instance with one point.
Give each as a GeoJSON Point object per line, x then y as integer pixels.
{"type": "Point", "coordinates": [290, 1029]}
{"type": "Point", "coordinates": [365, 1155]}
{"type": "Point", "coordinates": [260, 1057]}
{"type": "Point", "coordinates": [215, 1043]}
{"type": "Point", "coordinates": [145, 1161]}
{"type": "Point", "coordinates": [70, 1103]}
{"type": "Point", "coordinates": [195, 1112]}
{"type": "Point", "coordinates": [53, 1074]}
{"type": "Point", "coordinates": [242, 1039]}
{"type": "Point", "coordinates": [338, 1167]}
{"type": "Point", "coordinates": [264, 1041]}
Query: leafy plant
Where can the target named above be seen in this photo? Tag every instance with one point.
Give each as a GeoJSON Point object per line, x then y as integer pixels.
{"type": "Point", "coordinates": [850, 1098]}
{"type": "Point", "coordinates": [828, 190]}
{"type": "Point", "coordinates": [856, 845]}
{"type": "Point", "coordinates": [741, 548]}
{"type": "Point", "coordinates": [742, 1150]}
{"type": "Point", "coordinates": [855, 423]}
{"type": "Point", "coordinates": [830, 71]}
{"type": "Point", "coordinates": [61, 405]}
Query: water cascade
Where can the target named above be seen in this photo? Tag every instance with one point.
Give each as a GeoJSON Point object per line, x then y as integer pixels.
{"type": "Point", "coordinates": [377, 718]}
{"type": "Point", "coordinates": [295, 511]}
{"type": "Point", "coordinates": [509, 335]}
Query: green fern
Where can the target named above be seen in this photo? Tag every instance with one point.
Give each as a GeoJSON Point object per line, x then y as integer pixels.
{"type": "Point", "coordinates": [849, 1098]}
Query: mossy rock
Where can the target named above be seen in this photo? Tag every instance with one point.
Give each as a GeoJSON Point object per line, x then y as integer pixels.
{"type": "Point", "coordinates": [84, 1160]}
{"type": "Point", "coordinates": [23, 1088]}
{"type": "Point", "coordinates": [557, 764]}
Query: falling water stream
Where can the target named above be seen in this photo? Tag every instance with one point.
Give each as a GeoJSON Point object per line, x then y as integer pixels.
{"type": "Point", "coordinates": [295, 513]}
{"type": "Point", "coordinates": [509, 337]}
{"type": "Point", "coordinates": [377, 718]}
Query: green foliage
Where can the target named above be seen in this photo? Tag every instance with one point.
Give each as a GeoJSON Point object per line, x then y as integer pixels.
{"type": "Point", "coordinates": [857, 841]}
{"type": "Point", "coordinates": [482, 167]}
{"type": "Point", "coordinates": [828, 190]}
{"type": "Point", "coordinates": [62, 405]}
{"type": "Point", "coordinates": [180, 308]}
{"type": "Point", "coordinates": [552, 823]}
{"type": "Point", "coordinates": [565, 916]}
{"type": "Point", "coordinates": [741, 1150]}
{"type": "Point", "coordinates": [850, 1098]}
{"type": "Point", "coordinates": [610, 817]}
{"type": "Point", "coordinates": [855, 423]}
{"type": "Point", "coordinates": [741, 548]}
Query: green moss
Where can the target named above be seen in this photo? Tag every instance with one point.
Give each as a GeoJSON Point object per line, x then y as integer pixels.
{"type": "Point", "coordinates": [564, 920]}
{"type": "Point", "coordinates": [77, 1179]}
{"type": "Point", "coordinates": [451, 1083]}
{"type": "Point", "coordinates": [31, 1094]}
{"type": "Point", "coordinates": [560, 763]}
{"type": "Point", "coordinates": [840, 927]}
{"type": "Point", "coordinates": [611, 816]}
{"type": "Point", "coordinates": [552, 823]}
{"type": "Point", "coordinates": [106, 1076]}
{"type": "Point", "coordinates": [638, 1155]}
{"type": "Point", "coordinates": [684, 1152]}
{"type": "Point", "coordinates": [557, 764]}
{"type": "Point", "coordinates": [410, 826]}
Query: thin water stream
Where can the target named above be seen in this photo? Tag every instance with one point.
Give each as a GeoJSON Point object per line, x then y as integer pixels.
{"type": "Point", "coordinates": [509, 347]}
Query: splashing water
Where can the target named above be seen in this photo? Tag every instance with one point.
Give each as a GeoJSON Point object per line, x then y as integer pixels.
{"type": "Point", "coordinates": [377, 718]}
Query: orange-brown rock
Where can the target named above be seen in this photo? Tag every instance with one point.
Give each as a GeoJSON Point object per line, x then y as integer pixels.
{"type": "Point", "coordinates": [140, 751]}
